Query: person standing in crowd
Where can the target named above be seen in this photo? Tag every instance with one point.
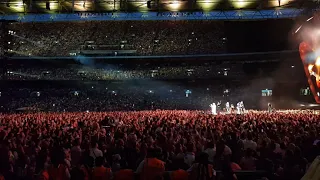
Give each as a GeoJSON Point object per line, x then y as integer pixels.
{"type": "Point", "coordinates": [202, 170]}
{"type": "Point", "coordinates": [58, 169]}
{"type": "Point", "coordinates": [94, 151]}
{"type": "Point", "coordinates": [151, 167]}
{"type": "Point", "coordinates": [124, 174]}
{"type": "Point", "coordinates": [248, 162]}
{"type": "Point", "coordinates": [76, 153]}
{"type": "Point", "coordinates": [100, 172]}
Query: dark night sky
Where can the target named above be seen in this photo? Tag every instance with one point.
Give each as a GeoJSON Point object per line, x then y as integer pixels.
{"type": "Point", "coordinates": [257, 36]}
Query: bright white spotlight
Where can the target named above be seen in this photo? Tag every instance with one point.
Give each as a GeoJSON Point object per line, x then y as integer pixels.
{"type": "Point", "coordinates": [310, 67]}
{"type": "Point", "coordinates": [298, 29]}
{"type": "Point", "coordinates": [318, 62]}
{"type": "Point", "coordinates": [310, 18]}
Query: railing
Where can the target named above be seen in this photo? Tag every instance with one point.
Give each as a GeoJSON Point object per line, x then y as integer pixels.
{"type": "Point", "coordinates": [139, 16]}
{"type": "Point", "coordinates": [243, 57]}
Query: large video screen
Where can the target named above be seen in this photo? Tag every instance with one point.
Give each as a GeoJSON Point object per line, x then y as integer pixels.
{"type": "Point", "coordinates": [311, 63]}
{"type": "Point", "coordinates": [266, 92]}
{"type": "Point", "coordinates": [305, 91]}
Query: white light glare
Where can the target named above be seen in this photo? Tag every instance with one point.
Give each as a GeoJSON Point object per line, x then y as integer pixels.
{"type": "Point", "coordinates": [310, 18]}
{"type": "Point", "coordinates": [298, 29]}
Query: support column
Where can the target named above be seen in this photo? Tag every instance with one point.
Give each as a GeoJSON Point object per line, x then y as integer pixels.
{"type": "Point", "coordinates": [72, 5]}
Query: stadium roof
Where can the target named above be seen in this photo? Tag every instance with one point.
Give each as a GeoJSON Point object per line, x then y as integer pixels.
{"type": "Point", "coordinates": [69, 10]}
{"type": "Point", "coordinates": [100, 6]}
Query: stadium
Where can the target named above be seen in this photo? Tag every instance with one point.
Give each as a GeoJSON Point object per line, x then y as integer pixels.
{"type": "Point", "coordinates": [159, 89]}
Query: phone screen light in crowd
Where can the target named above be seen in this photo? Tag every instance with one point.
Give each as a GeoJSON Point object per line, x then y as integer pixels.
{"type": "Point", "coordinates": [53, 105]}
{"type": "Point", "coordinates": [292, 66]}
{"type": "Point", "coordinates": [87, 111]}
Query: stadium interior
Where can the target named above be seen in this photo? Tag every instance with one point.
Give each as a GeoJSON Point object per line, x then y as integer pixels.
{"type": "Point", "coordinates": [159, 90]}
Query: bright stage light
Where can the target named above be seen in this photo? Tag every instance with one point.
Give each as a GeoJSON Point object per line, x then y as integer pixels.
{"type": "Point", "coordinates": [54, 6]}
{"type": "Point", "coordinates": [310, 18]}
{"type": "Point", "coordinates": [318, 62]}
{"type": "Point", "coordinates": [238, 4]}
{"type": "Point", "coordinates": [276, 3]}
{"type": "Point", "coordinates": [109, 6]}
{"type": "Point", "coordinates": [81, 6]}
{"type": "Point", "coordinates": [19, 4]}
{"type": "Point", "coordinates": [207, 5]}
{"type": "Point", "coordinates": [298, 29]}
{"type": "Point", "coordinates": [310, 67]}
{"type": "Point", "coordinates": [140, 6]}
{"type": "Point", "coordinates": [174, 6]}
{"type": "Point", "coordinates": [17, 7]}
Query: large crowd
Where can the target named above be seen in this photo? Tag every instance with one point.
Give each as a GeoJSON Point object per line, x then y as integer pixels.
{"type": "Point", "coordinates": [146, 37]}
{"type": "Point", "coordinates": [125, 130]}
{"type": "Point", "coordinates": [116, 72]}
{"type": "Point", "coordinates": [122, 96]}
{"type": "Point", "coordinates": [157, 144]}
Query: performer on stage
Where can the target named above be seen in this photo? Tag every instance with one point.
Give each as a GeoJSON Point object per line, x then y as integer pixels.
{"type": "Point", "coordinates": [242, 109]}
{"type": "Point", "coordinates": [238, 108]}
{"type": "Point", "coordinates": [232, 109]}
{"type": "Point", "coordinates": [219, 107]}
{"type": "Point", "coordinates": [270, 109]}
{"type": "Point", "coordinates": [213, 108]}
{"type": "Point", "coordinates": [228, 108]}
